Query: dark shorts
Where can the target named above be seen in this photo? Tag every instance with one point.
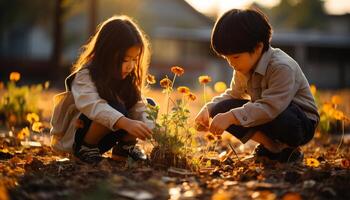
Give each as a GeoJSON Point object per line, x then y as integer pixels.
{"type": "Point", "coordinates": [291, 127]}
{"type": "Point", "coordinates": [109, 140]}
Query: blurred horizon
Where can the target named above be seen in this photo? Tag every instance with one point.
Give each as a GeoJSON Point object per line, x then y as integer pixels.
{"type": "Point", "coordinates": [41, 39]}
{"type": "Point", "coordinates": [217, 7]}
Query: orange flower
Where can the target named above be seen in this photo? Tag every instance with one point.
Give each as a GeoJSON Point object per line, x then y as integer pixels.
{"type": "Point", "coordinates": [313, 89]}
{"type": "Point", "coordinates": [15, 76]}
{"type": "Point", "coordinates": [312, 162]}
{"type": "Point", "coordinates": [191, 96]}
{"type": "Point", "coordinates": [183, 89]}
{"type": "Point", "coordinates": [165, 83]}
{"type": "Point", "coordinates": [220, 87]}
{"type": "Point", "coordinates": [336, 99]}
{"type": "Point", "coordinates": [210, 137]}
{"type": "Point", "coordinates": [151, 79]}
{"type": "Point", "coordinates": [177, 70]}
{"type": "Point", "coordinates": [204, 79]}
{"type": "Point", "coordinates": [1, 85]}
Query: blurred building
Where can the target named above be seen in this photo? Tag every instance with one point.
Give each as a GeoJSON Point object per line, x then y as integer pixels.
{"type": "Point", "coordinates": [180, 36]}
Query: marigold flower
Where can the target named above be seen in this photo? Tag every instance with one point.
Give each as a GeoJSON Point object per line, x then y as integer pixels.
{"type": "Point", "coordinates": [151, 79]}
{"type": "Point", "coordinates": [338, 115]}
{"type": "Point", "coordinates": [220, 87]}
{"type": "Point", "coordinates": [312, 162]}
{"type": "Point", "coordinates": [177, 70]}
{"type": "Point", "coordinates": [165, 83]}
{"type": "Point", "coordinates": [32, 117]}
{"type": "Point", "coordinates": [210, 137]}
{"type": "Point", "coordinates": [327, 107]}
{"type": "Point", "coordinates": [15, 76]}
{"type": "Point", "coordinates": [23, 133]}
{"type": "Point", "coordinates": [336, 99]}
{"type": "Point", "coordinates": [183, 89]}
{"type": "Point", "coordinates": [204, 79]}
{"type": "Point", "coordinates": [37, 126]}
{"type": "Point", "coordinates": [313, 89]}
{"type": "Point", "coordinates": [191, 96]}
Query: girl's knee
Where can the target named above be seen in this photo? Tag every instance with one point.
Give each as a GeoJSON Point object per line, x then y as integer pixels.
{"type": "Point", "coordinates": [151, 102]}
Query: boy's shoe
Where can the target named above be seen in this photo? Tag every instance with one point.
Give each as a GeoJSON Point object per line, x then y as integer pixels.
{"type": "Point", "coordinates": [291, 155]}
{"type": "Point", "coordinates": [123, 150]}
{"type": "Point", "coordinates": [90, 155]}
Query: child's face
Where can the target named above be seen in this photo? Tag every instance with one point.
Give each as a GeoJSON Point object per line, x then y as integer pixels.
{"type": "Point", "coordinates": [130, 60]}
{"type": "Point", "coordinates": [246, 61]}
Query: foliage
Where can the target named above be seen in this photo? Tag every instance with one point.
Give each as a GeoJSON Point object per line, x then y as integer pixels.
{"type": "Point", "coordinates": [173, 138]}
{"type": "Point", "coordinates": [18, 101]}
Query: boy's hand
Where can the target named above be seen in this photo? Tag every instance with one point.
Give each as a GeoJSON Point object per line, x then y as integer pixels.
{"type": "Point", "coordinates": [202, 120]}
{"type": "Point", "coordinates": [134, 127]}
{"type": "Point", "coordinates": [221, 122]}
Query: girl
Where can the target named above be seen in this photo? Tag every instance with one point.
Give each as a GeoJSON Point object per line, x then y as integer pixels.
{"type": "Point", "coordinates": [106, 109]}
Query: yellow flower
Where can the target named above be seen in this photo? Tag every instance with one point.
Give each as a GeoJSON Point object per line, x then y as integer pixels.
{"type": "Point", "coordinates": [312, 162]}
{"type": "Point", "coordinates": [37, 126]}
{"type": "Point", "coordinates": [220, 87]}
{"type": "Point", "coordinates": [177, 70]}
{"type": "Point", "coordinates": [47, 84]}
{"type": "Point", "coordinates": [191, 96]}
{"type": "Point", "coordinates": [204, 79]}
{"type": "Point", "coordinates": [327, 107]}
{"type": "Point", "coordinates": [336, 99]}
{"type": "Point", "coordinates": [32, 117]}
{"type": "Point", "coordinates": [165, 83]}
{"type": "Point", "coordinates": [313, 89]}
{"type": "Point", "coordinates": [23, 133]}
{"type": "Point", "coordinates": [338, 115]}
{"type": "Point", "coordinates": [183, 89]}
{"type": "Point", "coordinates": [15, 76]}
{"type": "Point", "coordinates": [151, 79]}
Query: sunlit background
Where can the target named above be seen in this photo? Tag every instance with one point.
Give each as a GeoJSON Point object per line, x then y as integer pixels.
{"type": "Point", "coordinates": [41, 39]}
{"type": "Point", "coordinates": [214, 7]}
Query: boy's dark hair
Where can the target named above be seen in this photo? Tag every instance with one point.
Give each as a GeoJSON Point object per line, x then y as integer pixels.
{"type": "Point", "coordinates": [238, 31]}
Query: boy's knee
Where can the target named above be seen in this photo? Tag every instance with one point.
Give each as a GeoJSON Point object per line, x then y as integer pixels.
{"type": "Point", "coordinates": [226, 105]}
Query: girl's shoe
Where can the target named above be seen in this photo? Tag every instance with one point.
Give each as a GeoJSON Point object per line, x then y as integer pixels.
{"type": "Point", "coordinates": [123, 150]}
{"type": "Point", "coordinates": [291, 155]}
{"type": "Point", "coordinates": [90, 155]}
{"type": "Point", "coordinates": [261, 152]}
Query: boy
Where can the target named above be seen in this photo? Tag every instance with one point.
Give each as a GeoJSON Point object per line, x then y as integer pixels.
{"type": "Point", "coordinates": [269, 100]}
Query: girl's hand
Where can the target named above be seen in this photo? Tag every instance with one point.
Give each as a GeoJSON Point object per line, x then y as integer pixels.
{"type": "Point", "coordinates": [202, 120]}
{"type": "Point", "coordinates": [221, 122]}
{"type": "Point", "coordinates": [134, 127]}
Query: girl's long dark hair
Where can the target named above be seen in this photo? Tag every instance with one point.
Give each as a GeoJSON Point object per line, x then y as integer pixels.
{"type": "Point", "coordinates": [103, 55]}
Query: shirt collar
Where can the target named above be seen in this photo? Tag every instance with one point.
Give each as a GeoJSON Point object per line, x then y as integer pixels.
{"type": "Point", "coordinates": [261, 67]}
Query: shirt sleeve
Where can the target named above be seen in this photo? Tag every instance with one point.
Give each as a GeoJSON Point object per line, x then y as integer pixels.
{"type": "Point", "coordinates": [274, 99]}
{"type": "Point", "coordinates": [88, 101]}
{"type": "Point", "coordinates": [138, 112]}
{"type": "Point", "coordinates": [235, 91]}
